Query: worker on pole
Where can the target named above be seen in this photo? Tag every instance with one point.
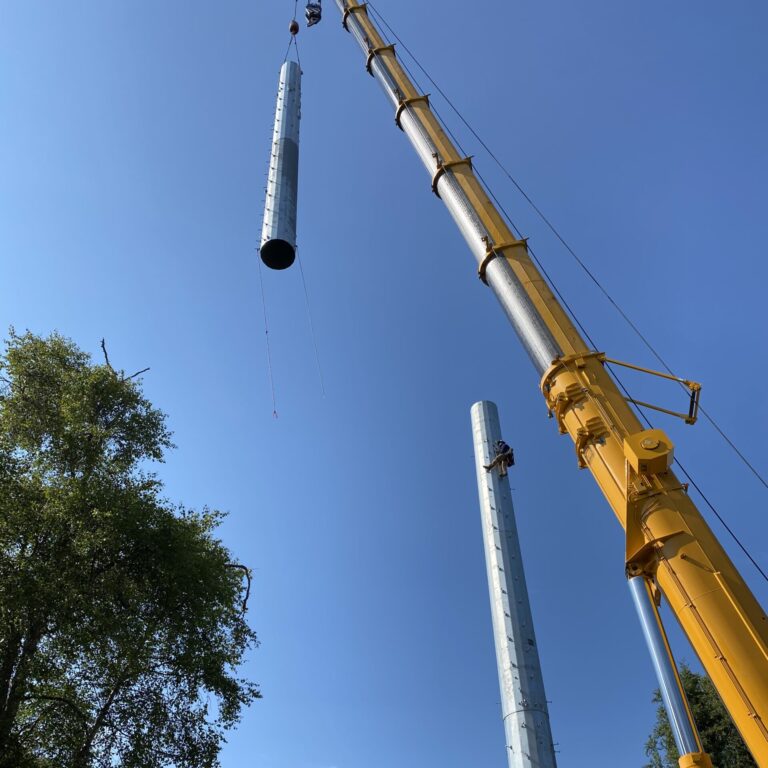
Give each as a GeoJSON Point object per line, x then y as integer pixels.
{"type": "Point", "coordinates": [504, 458]}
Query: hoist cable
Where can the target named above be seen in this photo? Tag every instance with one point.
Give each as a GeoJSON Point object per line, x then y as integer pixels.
{"type": "Point", "coordinates": [311, 323]}
{"type": "Point", "coordinates": [560, 296]}
{"type": "Point", "coordinates": [293, 37]}
{"type": "Point", "coordinates": [566, 245]}
{"type": "Point", "coordinates": [293, 41]}
{"type": "Point", "coordinates": [298, 58]}
{"type": "Point", "coordinates": [266, 336]}
{"type": "Point", "coordinates": [288, 50]}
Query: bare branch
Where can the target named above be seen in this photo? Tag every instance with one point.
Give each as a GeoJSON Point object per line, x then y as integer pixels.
{"type": "Point", "coordinates": [109, 365]}
{"type": "Point", "coordinates": [106, 356]}
{"type": "Point", "coordinates": [134, 375]}
{"type": "Point", "coordinates": [247, 572]}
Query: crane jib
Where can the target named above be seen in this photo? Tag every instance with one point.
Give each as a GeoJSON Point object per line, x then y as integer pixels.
{"type": "Point", "coordinates": [668, 541]}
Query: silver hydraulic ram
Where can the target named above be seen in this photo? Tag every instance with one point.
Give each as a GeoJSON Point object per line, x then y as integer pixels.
{"type": "Point", "coordinates": [278, 233]}
{"type": "Point", "coordinates": [523, 701]}
{"type": "Point", "coordinates": [675, 703]}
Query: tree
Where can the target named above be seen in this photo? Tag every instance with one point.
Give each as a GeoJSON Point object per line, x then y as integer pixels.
{"type": "Point", "coordinates": [121, 615]}
{"type": "Point", "coordinates": [718, 734]}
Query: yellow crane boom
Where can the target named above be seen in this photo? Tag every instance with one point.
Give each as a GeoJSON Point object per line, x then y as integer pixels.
{"type": "Point", "coordinates": [667, 539]}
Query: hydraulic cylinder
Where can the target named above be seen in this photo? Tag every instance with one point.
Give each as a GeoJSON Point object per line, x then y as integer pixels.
{"type": "Point", "coordinates": [679, 714]}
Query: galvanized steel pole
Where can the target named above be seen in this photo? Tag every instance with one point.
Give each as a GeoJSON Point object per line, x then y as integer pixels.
{"type": "Point", "coordinates": [278, 233]}
{"type": "Point", "coordinates": [523, 701]}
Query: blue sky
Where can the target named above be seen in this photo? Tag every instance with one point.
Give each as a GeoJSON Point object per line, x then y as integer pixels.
{"type": "Point", "coordinates": [133, 146]}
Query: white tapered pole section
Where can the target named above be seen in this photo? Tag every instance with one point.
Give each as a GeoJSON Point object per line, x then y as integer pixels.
{"type": "Point", "coordinates": [523, 701]}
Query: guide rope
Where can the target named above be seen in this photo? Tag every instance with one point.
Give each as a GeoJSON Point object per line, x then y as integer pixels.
{"type": "Point", "coordinates": [266, 336]}
{"type": "Point", "coordinates": [311, 323]}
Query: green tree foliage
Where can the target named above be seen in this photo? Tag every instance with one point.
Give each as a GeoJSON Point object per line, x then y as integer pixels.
{"type": "Point", "coordinates": [718, 734]}
{"type": "Point", "coordinates": [121, 615]}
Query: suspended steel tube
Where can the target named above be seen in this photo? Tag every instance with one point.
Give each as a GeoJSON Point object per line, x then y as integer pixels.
{"type": "Point", "coordinates": [521, 684]}
{"type": "Point", "coordinates": [278, 233]}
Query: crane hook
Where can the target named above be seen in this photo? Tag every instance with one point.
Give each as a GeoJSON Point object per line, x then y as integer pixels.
{"type": "Point", "coordinates": [313, 13]}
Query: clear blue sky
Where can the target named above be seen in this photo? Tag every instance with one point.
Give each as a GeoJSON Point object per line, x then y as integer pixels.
{"type": "Point", "coordinates": [133, 146]}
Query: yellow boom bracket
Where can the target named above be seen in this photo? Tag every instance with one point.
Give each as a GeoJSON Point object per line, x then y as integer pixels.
{"type": "Point", "coordinates": [498, 249]}
{"type": "Point", "coordinates": [442, 167]}
{"type": "Point", "coordinates": [376, 52]}
{"type": "Point", "coordinates": [362, 8]}
{"type": "Point", "coordinates": [405, 103]}
{"type": "Point", "coordinates": [693, 387]}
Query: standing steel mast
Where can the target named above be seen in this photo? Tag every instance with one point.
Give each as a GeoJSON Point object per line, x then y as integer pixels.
{"type": "Point", "coordinates": [523, 701]}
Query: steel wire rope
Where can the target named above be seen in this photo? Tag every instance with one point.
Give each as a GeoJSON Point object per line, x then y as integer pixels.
{"type": "Point", "coordinates": [293, 37]}
{"type": "Point", "coordinates": [293, 41]}
{"type": "Point", "coordinates": [288, 50]}
{"type": "Point", "coordinates": [298, 58]}
{"type": "Point", "coordinates": [568, 247]}
{"type": "Point", "coordinates": [266, 335]}
{"type": "Point", "coordinates": [641, 413]}
{"type": "Point", "coordinates": [311, 322]}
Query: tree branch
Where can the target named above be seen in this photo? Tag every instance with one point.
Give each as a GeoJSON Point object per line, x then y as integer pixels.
{"type": "Point", "coordinates": [134, 375]}
{"type": "Point", "coordinates": [106, 356]}
{"type": "Point", "coordinates": [109, 365]}
{"type": "Point", "coordinates": [85, 749]}
{"type": "Point", "coordinates": [60, 700]}
{"type": "Point", "coordinates": [247, 572]}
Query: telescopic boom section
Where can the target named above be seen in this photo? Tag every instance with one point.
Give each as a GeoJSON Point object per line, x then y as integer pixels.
{"type": "Point", "coordinates": [667, 539]}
